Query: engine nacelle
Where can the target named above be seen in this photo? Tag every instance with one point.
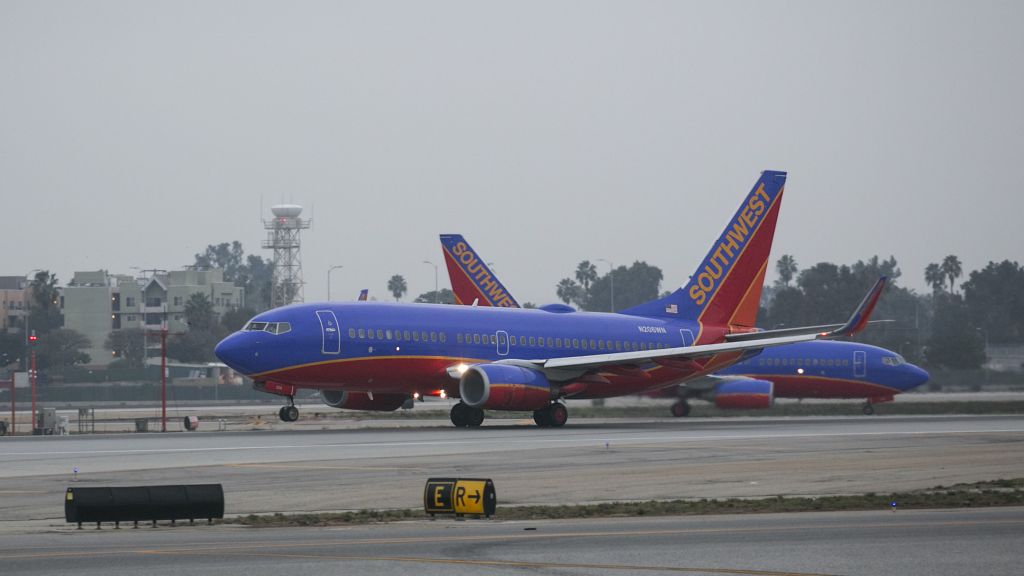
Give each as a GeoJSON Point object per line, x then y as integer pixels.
{"type": "Point", "coordinates": [504, 387]}
{"type": "Point", "coordinates": [745, 394]}
{"type": "Point", "coordinates": [362, 400]}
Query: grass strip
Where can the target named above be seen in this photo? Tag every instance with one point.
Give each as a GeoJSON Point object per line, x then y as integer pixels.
{"type": "Point", "coordinates": [976, 495]}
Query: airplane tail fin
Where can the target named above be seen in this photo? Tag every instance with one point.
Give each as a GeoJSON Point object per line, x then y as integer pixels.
{"type": "Point", "coordinates": [726, 287]}
{"type": "Point", "coordinates": [363, 294]}
{"type": "Point", "coordinates": [471, 278]}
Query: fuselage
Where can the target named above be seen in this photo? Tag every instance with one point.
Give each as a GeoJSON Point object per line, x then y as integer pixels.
{"type": "Point", "coordinates": [830, 369]}
{"type": "Point", "coordinates": [408, 348]}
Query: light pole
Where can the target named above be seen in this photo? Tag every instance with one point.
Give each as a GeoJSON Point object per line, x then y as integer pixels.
{"type": "Point", "coordinates": [28, 306]}
{"type": "Point", "coordinates": [435, 279]}
{"type": "Point", "coordinates": [611, 279]}
{"type": "Point", "coordinates": [329, 270]}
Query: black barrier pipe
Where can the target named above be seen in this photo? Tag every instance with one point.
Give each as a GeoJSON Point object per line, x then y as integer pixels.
{"type": "Point", "coordinates": [144, 503]}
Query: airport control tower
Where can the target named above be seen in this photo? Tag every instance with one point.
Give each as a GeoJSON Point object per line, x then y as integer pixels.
{"type": "Point", "coordinates": [283, 238]}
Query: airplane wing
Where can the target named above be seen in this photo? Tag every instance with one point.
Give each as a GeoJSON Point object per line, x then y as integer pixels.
{"type": "Point", "coordinates": [752, 341]}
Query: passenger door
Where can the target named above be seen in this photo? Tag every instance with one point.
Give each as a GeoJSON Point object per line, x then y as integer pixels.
{"type": "Point", "coordinates": [860, 364]}
{"type": "Point", "coordinates": [331, 332]}
{"type": "Point", "coordinates": [502, 342]}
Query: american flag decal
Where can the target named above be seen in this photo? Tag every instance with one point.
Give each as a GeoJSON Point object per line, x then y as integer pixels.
{"type": "Point", "coordinates": [672, 309]}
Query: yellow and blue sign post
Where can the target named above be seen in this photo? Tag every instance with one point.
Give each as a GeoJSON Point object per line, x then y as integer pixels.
{"type": "Point", "coordinates": [460, 496]}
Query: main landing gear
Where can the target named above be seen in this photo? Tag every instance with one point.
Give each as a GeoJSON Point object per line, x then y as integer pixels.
{"type": "Point", "coordinates": [681, 409]}
{"type": "Point", "coordinates": [868, 409]}
{"type": "Point", "coordinates": [464, 416]}
{"type": "Point", "coordinates": [289, 413]}
{"type": "Point", "coordinates": [553, 415]}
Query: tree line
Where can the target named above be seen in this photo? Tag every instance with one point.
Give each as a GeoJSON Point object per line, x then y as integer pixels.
{"type": "Point", "coordinates": [949, 327]}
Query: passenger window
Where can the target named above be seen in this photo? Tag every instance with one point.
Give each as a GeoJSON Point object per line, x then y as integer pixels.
{"type": "Point", "coordinates": [600, 344]}
{"type": "Point", "coordinates": [575, 342]}
{"type": "Point", "coordinates": [433, 336]}
{"type": "Point", "coordinates": [351, 332]}
{"type": "Point", "coordinates": [423, 335]}
{"type": "Point", "coordinates": [458, 338]}
{"type": "Point", "coordinates": [442, 337]}
{"type": "Point", "coordinates": [405, 335]}
{"type": "Point", "coordinates": [415, 336]}
{"type": "Point", "coordinates": [494, 339]}
{"type": "Point", "coordinates": [551, 342]}
{"type": "Point", "coordinates": [476, 338]}
{"type": "Point", "coordinates": [380, 334]}
{"type": "Point", "coordinates": [558, 342]}
{"type": "Point", "coordinates": [618, 345]}
{"type": "Point", "coordinates": [387, 334]}
{"type": "Point", "coordinates": [362, 333]}
{"type": "Point", "coordinates": [584, 344]}
{"type": "Point", "coordinates": [533, 341]}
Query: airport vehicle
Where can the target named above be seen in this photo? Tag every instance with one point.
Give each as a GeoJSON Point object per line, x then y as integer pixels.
{"type": "Point", "coordinates": [818, 369]}
{"type": "Point", "coordinates": [375, 356]}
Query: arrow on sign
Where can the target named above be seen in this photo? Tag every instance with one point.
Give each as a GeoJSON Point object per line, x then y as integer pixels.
{"type": "Point", "coordinates": [475, 496]}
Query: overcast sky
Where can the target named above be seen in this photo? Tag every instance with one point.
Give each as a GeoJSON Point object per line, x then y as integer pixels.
{"type": "Point", "coordinates": [133, 134]}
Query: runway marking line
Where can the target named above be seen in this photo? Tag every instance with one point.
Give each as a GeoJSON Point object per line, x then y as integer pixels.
{"type": "Point", "coordinates": [243, 548]}
{"type": "Point", "coordinates": [310, 467]}
{"type": "Point", "coordinates": [570, 441]}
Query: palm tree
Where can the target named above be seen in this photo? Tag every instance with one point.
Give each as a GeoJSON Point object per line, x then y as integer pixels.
{"type": "Point", "coordinates": [952, 269]}
{"type": "Point", "coordinates": [397, 287]}
{"type": "Point", "coordinates": [786, 267]}
{"type": "Point", "coordinates": [935, 278]}
{"type": "Point", "coordinates": [586, 274]}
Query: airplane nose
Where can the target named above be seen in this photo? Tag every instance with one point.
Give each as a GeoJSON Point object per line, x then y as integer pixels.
{"type": "Point", "coordinates": [915, 376]}
{"type": "Point", "coordinates": [232, 352]}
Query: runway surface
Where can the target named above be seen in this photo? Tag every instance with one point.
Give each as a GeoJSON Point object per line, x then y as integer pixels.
{"type": "Point", "coordinates": [909, 543]}
{"type": "Point", "coordinates": [587, 461]}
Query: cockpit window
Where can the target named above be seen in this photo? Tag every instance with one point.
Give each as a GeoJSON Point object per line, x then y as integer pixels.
{"type": "Point", "coordinates": [271, 327]}
{"type": "Point", "coordinates": [893, 360]}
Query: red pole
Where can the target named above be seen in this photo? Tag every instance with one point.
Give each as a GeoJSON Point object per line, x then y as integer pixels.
{"type": "Point", "coordinates": [32, 375]}
{"type": "Point", "coordinates": [14, 421]}
{"type": "Point", "coordinates": [163, 378]}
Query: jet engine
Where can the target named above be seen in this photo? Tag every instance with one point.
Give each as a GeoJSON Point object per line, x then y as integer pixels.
{"type": "Point", "coordinates": [504, 387]}
{"type": "Point", "coordinates": [747, 394]}
{"type": "Point", "coordinates": [363, 401]}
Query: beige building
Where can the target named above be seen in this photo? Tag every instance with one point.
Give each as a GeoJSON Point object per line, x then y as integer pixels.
{"type": "Point", "coordinates": [13, 302]}
{"type": "Point", "coordinates": [97, 303]}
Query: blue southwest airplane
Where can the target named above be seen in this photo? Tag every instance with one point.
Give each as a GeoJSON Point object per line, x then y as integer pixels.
{"type": "Point", "coordinates": [817, 369]}
{"type": "Point", "coordinates": [377, 356]}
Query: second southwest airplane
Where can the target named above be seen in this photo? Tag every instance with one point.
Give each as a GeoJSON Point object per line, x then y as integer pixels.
{"type": "Point", "coordinates": [818, 369]}
{"type": "Point", "coordinates": [376, 356]}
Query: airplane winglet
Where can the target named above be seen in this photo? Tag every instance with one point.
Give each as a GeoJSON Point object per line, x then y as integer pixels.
{"type": "Point", "coordinates": [862, 314]}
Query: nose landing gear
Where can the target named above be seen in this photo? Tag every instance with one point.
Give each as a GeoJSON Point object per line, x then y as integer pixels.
{"type": "Point", "coordinates": [289, 413]}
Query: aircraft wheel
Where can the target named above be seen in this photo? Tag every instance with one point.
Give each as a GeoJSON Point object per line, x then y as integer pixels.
{"type": "Point", "coordinates": [282, 415]}
{"type": "Point", "coordinates": [290, 413]}
{"type": "Point", "coordinates": [541, 417]}
{"type": "Point", "coordinates": [868, 409]}
{"type": "Point", "coordinates": [558, 414]}
{"type": "Point", "coordinates": [681, 409]}
{"type": "Point", "coordinates": [459, 416]}
{"type": "Point", "coordinates": [474, 417]}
